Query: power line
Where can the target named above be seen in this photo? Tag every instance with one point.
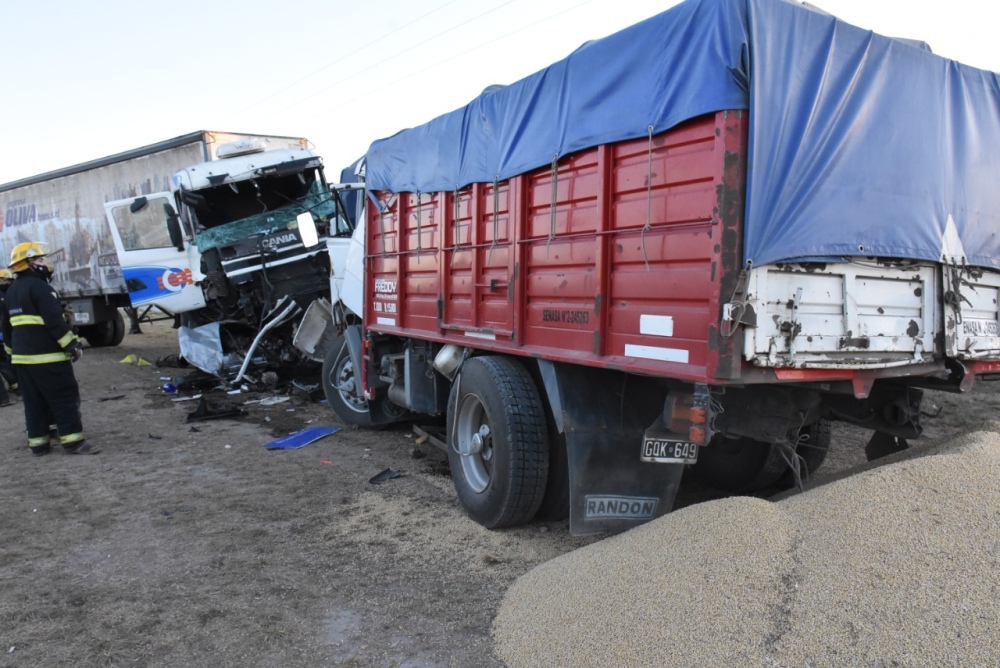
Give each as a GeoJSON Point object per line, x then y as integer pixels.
{"type": "Point", "coordinates": [344, 57]}
{"type": "Point", "coordinates": [449, 59]}
{"type": "Point", "coordinates": [392, 57]}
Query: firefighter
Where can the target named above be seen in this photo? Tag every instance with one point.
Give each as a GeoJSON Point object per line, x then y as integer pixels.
{"type": "Point", "coordinates": [6, 371]}
{"type": "Point", "coordinates": [42, 345]}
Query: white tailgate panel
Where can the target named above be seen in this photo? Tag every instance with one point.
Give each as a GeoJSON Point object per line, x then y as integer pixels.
{"type": "Point", "coordinates": [855, 315]}
{"type": "Point", "coordinates": [972, 330]}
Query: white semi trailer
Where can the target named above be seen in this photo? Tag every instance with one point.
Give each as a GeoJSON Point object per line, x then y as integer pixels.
{"type": "Point", "coordinates": [65, 209]}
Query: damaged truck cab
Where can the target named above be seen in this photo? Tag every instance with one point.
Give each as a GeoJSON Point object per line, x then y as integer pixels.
{"type": "Point", "coordinates": [248, 234]}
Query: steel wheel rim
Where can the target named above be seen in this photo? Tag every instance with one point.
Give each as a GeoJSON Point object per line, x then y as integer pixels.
{"type": "Point", "coordinates": [342, 376]}
{"type": "Point", "coordinates": [474, 441]}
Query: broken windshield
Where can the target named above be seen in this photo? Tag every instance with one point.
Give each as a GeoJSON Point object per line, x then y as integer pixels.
{"type": "Point", "coordinates": [261, 206]}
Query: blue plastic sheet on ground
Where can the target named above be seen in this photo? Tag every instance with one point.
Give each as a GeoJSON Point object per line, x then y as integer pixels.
{"type": "Point", "coordinates": [301, 438]}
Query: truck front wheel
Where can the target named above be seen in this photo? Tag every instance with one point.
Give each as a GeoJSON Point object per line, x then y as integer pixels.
{"type": "Point", "coordinates": [497, 442]}
{"type": "Point", "coordinates": [342, 388]}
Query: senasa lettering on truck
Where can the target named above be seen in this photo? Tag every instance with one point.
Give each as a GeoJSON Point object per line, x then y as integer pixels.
{"type": "Point", "coordinates": [980, 327]}
{"type": "Point", "coordinates": [622, 507]}
{"type": "Point", "coordinates": [569, 317]}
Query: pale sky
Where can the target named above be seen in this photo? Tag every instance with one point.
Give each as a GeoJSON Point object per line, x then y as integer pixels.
{"type": "Point", "coordinates": [84, 80]}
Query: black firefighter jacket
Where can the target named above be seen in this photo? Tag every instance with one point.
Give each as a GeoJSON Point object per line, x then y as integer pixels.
{"type": "Point", "coordinates": [34, 330]}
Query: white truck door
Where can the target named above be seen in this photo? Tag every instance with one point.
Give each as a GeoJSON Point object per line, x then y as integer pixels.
{"type": "Point", "coordinates": [155, 271]}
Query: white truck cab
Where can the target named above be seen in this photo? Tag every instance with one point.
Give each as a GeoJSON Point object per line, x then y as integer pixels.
{"type": "Point", "coordinates": [245, 242]}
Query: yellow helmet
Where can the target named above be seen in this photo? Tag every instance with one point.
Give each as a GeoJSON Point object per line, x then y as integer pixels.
{"type": "Point", "coordinates": [6, 275]}
{"type": "Point", "coordinates": [23, 252]}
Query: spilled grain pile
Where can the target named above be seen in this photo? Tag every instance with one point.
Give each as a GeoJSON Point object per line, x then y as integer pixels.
{"type": "Point", "coordinates": [898, 565]}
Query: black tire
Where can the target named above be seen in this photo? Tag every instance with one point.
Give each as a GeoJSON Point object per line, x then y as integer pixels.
{"type": "Point", "coordinates": [813, 450]}
{"type": "Point", "coordinates": [341, 388]}
{"type": "Point", "coordinates": [743, 465]}
{"type": "Point", "coordinates": [118, 329]}
{"type": "Point", "coordinates": [495, 417]}
{"type": "Point", "coordinates": [105, 333]}
{"type": "Point", "coordinates": [555, 503]}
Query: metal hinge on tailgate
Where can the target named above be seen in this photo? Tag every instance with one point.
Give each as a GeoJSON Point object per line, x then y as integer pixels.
{"type": "Point", "coordinates": [738, 311]}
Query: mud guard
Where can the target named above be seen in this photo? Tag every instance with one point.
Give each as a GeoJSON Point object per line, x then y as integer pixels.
{"type": "Point", "coordinates": [602, 415]}
{"type": "Point", "coordinates": [352, 334]}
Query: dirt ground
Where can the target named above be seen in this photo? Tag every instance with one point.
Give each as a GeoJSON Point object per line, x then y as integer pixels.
{"type": "Point", "coordinates": [191, 544]}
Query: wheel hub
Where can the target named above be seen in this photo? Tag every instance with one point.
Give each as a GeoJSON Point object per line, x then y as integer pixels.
{"type": "Point", "coordinates": [477, 444]}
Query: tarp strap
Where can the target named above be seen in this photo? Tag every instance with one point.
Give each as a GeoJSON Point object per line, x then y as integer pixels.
{"type": "Point", "coordinates": [953, 296]}
{"type": "Point", "coordinates": [649, 197]}
{"type": "Point", "coordinates": [420, 211]}
{"type": "Point", "coordinates": [458, 236]}
{"type": "Point", "coordinates": [381, 228]}
{"type": "Point", "coordinates": [552, 208]}
{"type": "Point", "coordinates": [496, 215]}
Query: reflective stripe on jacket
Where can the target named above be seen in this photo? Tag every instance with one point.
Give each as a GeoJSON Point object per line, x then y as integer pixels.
{"type": "Point", "coordinates": [33, 324]}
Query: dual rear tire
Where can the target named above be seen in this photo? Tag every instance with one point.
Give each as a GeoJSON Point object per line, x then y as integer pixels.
{"type": "Point", "coordinates": [498, 442]}
{"type": "Point", "coordinates": [105, 334]}
{"type": "Point", "coordinates": [744, 465]}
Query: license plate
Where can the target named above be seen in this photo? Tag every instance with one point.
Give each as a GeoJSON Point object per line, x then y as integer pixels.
{"type": "Point", "coordinates": [662, 451]}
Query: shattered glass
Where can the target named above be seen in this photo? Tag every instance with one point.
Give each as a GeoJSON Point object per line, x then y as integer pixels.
{"type": "Point", "coordinates": [317, 200]}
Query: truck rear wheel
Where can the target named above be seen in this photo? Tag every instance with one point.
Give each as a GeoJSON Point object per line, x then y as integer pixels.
{"type": "Point", "coordinates": [118, 329]}
{"type": "Point", "coordinates": [744, 465]}
{"type": "Point", "coordinates": [342, 388]}
{"type": "Point", "coordinates": [812, 450]}
{"type": "Point", "coordinates": [497, 442]}
{"type": "Point", "coordinates": [106, 333]}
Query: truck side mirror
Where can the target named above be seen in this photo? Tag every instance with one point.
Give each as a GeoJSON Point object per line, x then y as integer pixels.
{"type": "Point", "coordinates": [307, 229]}
{"type": "Point", "coordinates": [174, 227]}
{"type": "Point", "coordinates": [138, 204]}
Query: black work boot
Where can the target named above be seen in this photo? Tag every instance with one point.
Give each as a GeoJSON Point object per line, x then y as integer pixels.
{"type": "Point", "coordinates": [40, 450]}
{"type": "Point", "coordinates": [81, 448]}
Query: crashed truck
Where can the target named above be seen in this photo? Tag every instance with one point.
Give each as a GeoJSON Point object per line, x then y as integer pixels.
{"type": "Point", "coordinates": [688, 247]}
{"type": "Point", "coordinates": [235, 251]}
{"type": "Point", "coordinates": [65, 209]}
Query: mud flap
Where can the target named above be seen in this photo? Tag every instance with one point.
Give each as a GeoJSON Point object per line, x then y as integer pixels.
{"type": "Point", "coordinates": [353, 336]}
{"type": "Point", "coordinates": [602, 415]}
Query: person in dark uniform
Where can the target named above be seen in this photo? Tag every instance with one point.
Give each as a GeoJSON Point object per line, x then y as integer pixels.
{"type": "Point", "coordinates": [6, 370]}
{"type": "Point", "coordinates": [42, 346]}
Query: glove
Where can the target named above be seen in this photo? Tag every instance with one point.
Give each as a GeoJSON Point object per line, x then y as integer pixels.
{"type": "Point", "coordinates": [75, 351]}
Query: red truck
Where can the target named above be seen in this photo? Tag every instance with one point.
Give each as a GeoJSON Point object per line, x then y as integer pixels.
{"type": "Point", "coordinates": [651, 258]}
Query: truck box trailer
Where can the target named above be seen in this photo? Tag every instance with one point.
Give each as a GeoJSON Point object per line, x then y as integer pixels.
{"type": "Point", "coordinates": [65, 209]}
{"type": "Point", "coordinates": [689, 246]}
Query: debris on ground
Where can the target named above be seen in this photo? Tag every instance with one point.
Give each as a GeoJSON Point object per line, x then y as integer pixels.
{"type": "Point", "coordinates": [387, 474]}
{"type": "Point", "coordinates": [171, 360]}
{"type": "Point", "coordinates": [212, 411]}
{"type": "Point", "coordinates": [301, 438]}
{"type": "Point", "coordinates": [267, 401]}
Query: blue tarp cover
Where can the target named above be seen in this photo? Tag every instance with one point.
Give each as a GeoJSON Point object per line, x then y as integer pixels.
{"type": "Point", "coordinates": [859, 144]}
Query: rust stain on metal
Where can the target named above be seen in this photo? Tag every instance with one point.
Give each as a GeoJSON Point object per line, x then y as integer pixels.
{"type": "Point", "coordinates": [862, 342]}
